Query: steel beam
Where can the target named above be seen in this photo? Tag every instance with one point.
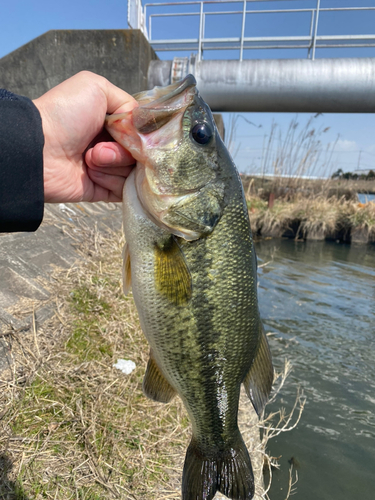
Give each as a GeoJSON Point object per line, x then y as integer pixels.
{"type": "Point", "coordinates": [279, 85]}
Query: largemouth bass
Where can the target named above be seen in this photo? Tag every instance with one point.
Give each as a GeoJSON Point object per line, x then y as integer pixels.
{"type": "Point", "coordinates": [190, 260]}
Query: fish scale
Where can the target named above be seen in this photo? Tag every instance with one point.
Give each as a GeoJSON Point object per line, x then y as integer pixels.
{"type": "Point", "coordinates": [190, 259]}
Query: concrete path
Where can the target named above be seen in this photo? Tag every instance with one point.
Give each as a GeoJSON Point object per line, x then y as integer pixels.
{"type": "Point", "coordinates": [25, 258]}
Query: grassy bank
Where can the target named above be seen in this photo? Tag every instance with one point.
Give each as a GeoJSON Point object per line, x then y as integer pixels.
{"type": "Point", "coordinates": [74, 427]}
{"type": "Point", "coordinates": [310, 209]}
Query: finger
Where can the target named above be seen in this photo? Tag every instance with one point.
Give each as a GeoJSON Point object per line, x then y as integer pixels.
{"type": "Point", "coordinates": [118, 101]}
{"type": "Point", "coordinates": [117, 171]}
{"type": "Point", "coordinates": [108, 154]}
{"type": "Point", "coordinates": [102, 194]}
{"type": "Point", "coordinates": [103, 136]}
{"type": "Point", "coordinates": [114, 184]}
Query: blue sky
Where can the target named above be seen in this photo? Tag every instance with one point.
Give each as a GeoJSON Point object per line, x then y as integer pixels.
{"type": "Point", "coordinates": [354, 135]}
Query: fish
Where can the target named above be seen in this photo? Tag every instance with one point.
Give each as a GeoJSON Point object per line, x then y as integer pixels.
{"type": "Point", "coordinates": [190, 262]}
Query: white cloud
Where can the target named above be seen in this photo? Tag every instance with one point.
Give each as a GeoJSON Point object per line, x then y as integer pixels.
{"type": "Point", "coordinates": [346, 145]}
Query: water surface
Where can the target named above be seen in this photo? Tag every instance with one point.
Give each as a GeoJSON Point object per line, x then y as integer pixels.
{"type": "Point", "coordinates": [319, 300]}
{"type": "Point", "coordinates": [365, 198]}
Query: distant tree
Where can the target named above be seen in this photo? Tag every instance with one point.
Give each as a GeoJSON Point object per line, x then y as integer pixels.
{"type": "Point", "coordinates": [337, 174]}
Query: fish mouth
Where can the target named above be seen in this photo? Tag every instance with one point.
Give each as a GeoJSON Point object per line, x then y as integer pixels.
{"type": "Point", "coordinates": [156, 108]}
{"type": "Point", "coordinates": [159, 105]}
{"type": "Point", "coordinates": [161, 94]}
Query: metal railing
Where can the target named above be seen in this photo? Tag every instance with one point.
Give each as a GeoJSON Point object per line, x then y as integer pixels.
{"type": "Point", "coordinates": [310, 42]}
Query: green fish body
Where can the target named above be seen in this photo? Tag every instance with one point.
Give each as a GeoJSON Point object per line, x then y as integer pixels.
{"type": "Point", "coordinates": [190, 261]}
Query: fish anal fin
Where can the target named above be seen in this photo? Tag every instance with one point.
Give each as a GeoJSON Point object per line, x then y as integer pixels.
{"type": "Point", "coordinates": [126, 270]}
{"type": "Point", "coordinates": [259, 379]}
{"type": "Point", "coordinates": [228, 471]}
{"type": "Point", "coordinates": [173, 279]}
{"type": "Point", "coordinates": [155, 386]}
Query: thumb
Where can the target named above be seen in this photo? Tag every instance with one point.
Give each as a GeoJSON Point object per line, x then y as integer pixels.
{"type": "Point", "coordinates": [118, 101]}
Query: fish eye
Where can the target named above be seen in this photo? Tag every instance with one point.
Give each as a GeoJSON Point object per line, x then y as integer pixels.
{"type": "Point", "coordinates": [202, 133]}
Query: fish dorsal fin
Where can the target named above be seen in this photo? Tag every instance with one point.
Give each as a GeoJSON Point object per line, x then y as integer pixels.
{"type": "Point", "coordinates": [172, 275]}
{"type": "Point", "coordinates": [258, 381]}
{"type": "Point", "coordinates": [155, 386]}
{"type": "Point", "coordinates": [126, 270]}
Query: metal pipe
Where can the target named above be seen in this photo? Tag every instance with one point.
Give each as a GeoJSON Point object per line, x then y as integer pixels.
{"type": "Point", "coordinates": [204, 24]}
{"type": "Point", "coordinates": [310, 34]}
{"type": "Point", "coordinates": [282, 85]}
{"type": "Point", "coordinates": [200, 33]}
{"type": "Point", "coordinates": [243, 28]}
{"type": "Point", "coordinates": [268, 11]}
{"type": "Point", "coordinates": [315, 28]}
{"type": "Point", "coordinates": [195, 2]}
{"type": "Point", "coordinates": [237, 47]}
{"type": "Point", "coordinates": [320, 38]}
{"type": "Point", "coordinates": [191, 2]}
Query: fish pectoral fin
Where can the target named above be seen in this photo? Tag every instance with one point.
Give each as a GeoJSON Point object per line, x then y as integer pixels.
{"type": "Point", "coordinates": [173, 279]}
{"type": "Point", "coordinates": [155, 386]}
{"type": "Point", "coordinates": [126, 270]}
{"type": "Point", "coordinates": [258, 381]}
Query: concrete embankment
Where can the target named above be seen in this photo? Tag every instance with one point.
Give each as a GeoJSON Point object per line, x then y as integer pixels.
{"type": "Point", "coordinates": [27, 259]}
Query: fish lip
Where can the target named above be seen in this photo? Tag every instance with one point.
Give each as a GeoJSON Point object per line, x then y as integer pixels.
{"type": "Point", "coordinates": [175, 89]}
{"type": "Point", "coordinates": [178, 88]}
{"type": "Point", "coordinates": [187, 82]}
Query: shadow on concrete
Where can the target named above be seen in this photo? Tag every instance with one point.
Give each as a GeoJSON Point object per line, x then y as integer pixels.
{"type": "Point", "coordinates": [9, 490]}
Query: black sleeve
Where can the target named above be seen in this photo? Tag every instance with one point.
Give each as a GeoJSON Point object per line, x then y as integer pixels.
{"type": "Point", "coordinates": [21, 164]}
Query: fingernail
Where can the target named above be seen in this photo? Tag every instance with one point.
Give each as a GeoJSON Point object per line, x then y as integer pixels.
{"type": "Point", "coordinates": [107, 156]}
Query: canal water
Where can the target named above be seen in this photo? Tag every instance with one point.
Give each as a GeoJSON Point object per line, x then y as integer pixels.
{"type": "Point", "coordinates": [365, 198]}
{"type": "Point", "coordinates": [318, 300]}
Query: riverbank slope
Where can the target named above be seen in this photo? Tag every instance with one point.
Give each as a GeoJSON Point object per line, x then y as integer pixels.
{"type": "Point", "coordinates": [315, 209]}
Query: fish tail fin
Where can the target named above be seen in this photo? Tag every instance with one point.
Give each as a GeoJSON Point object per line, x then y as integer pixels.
{"type": "Point", "coordinates": [228, 471]}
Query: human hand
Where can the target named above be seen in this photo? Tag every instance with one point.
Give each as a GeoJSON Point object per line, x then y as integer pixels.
{"type": "Point", "coordinates": [81, 163]}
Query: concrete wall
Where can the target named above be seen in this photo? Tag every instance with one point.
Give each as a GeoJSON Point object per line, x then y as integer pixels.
{"type": "Point", "coordinates": [122, 56]}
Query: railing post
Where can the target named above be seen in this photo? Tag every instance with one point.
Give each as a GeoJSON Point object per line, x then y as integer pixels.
{"type": "Point", "coordinates": [200, 33]}
{"type": "Point", "coordinates": [311, 33]}
{"type": "Point", "coordinates": [316, 28]}
{"type": "Point", "coordinates": [243, 28]}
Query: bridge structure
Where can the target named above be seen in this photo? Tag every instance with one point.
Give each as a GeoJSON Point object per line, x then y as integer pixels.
{"type": "Point", "coordinates": [312, 84]}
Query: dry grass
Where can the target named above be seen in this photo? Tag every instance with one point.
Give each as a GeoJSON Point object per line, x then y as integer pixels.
{"type": "Point", "coordinates": [297, 152]}
{"type": "Point", "coordinates": [320, 215]}
{"type": "Point", "coordinates": [311, 217]}
{"type": "Point", "coordinates": [278, 422]}
{"type": "Point", "coordinates": [362, 216]}
{"type": "Point", "coordinates": [74, 427]}
{"type": "Point", "coordinates": [305, 205]}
